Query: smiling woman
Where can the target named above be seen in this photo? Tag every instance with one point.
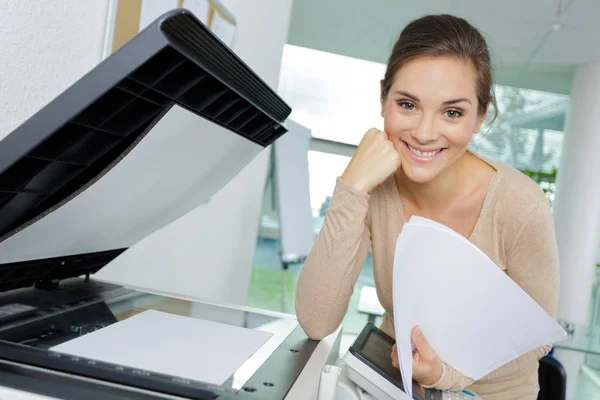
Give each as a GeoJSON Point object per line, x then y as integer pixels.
{"type": "Point", "coordinates": [435, 96]}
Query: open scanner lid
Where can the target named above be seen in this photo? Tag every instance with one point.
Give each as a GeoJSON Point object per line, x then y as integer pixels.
{"type": "Point", "coordinates": [146, 136]}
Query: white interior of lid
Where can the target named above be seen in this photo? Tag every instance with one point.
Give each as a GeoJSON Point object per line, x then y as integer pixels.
{"type": "Point", "coordinates": [180, 164]}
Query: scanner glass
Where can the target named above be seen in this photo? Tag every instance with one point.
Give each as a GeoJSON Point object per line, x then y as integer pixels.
{"type": "Point", "coordinates": [43, 321]}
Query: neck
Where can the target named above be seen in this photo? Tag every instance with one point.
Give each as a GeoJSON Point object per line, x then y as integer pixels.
{"type": "Point", "coordinates": [436, 194]}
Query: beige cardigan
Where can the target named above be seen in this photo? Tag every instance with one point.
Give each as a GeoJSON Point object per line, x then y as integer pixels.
{"type": "Point", "coordinates": [515, 229]}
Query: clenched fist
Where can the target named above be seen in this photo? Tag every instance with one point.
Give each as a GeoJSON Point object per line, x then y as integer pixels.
{"type": "Point", "coordinates": [373, 162]}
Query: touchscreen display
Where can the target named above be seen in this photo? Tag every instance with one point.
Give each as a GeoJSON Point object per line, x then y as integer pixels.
{"type": "Point", "coordinates": [378, 350]}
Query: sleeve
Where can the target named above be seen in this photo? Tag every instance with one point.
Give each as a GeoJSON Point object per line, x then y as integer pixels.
{"type": "Point", "coordinates": [532, 262]}
{"type": "Point", "coordinates": [329, 274]}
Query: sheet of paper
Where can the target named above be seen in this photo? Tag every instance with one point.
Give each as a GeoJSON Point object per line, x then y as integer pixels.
{"type": "Point", "coordinates": [199, 8]}
{"type": "Point", "coordinates": [152, 9]}
{"type": "Point", "coordinates": [223, 28]}
{"type": "Point", "coordinates": [474, 316]}
{"type": "Point", "coordinates": [401, 291]}
{"type": "Point", "coordinates": [416, 220]}
{"type": "Point", "coordinates": [170, 344]}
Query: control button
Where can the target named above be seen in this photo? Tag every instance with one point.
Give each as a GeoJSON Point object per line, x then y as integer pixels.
{"type": "Point", "coordinates": [468, 393]}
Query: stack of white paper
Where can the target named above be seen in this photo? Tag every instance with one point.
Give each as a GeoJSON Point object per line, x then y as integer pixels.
{"type": "Point", "coordinates": [171, 344]}
{"type": "Point", "coordinates": [472, 314]}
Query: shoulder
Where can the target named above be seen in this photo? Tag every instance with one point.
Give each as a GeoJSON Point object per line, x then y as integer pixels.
{"type": "Point", "coordinates": [517, 203]}
{"type": "Point", "coordinates": [515, 190]}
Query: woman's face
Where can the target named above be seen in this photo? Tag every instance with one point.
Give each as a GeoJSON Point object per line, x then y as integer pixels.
{"type": "Point", "coordinates": [431, 113]}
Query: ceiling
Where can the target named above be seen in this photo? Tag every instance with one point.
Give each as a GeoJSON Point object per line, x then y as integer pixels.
{"type": "Point", "coordinates": [526, 52]}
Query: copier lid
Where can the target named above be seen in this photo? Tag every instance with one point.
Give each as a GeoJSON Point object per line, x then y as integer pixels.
{"type": "Point", "coordinates": [146, 136]}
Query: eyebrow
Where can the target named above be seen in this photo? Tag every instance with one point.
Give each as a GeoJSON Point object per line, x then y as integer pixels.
{"type": "Point", "coordinates": [415, 98]}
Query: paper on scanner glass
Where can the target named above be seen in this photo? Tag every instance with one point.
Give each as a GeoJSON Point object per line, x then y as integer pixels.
{"type": "Point", "coordinates": [148, 135]}
{"type": "Point", "coordinates": [474, 316]}
{"type": "Point", "coordinates": [187, 347]}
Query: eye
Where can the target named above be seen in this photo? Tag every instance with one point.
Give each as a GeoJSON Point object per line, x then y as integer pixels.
{"type": "Point", "coordinates": [407, 105]}
{"type": "Point", "coordinates": [453, 114]}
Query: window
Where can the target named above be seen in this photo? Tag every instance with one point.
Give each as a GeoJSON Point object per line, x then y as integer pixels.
{"type": "Point", "coordinates": [323, 169]}
{"type": "Point", "coordinates": [336, 97]}
{"type": "Point", "coordinates": [527, 133]}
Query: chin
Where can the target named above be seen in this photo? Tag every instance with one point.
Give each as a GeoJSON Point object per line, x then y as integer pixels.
{"type": "Point", "coordinates": [420, 174]}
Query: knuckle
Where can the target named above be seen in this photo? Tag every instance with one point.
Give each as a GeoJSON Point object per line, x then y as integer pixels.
{"type": "Point", "coordinates": [377, 132]}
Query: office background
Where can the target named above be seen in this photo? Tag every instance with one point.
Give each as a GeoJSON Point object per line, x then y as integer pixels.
{"type": "Point", "coordinates": [326, 59]}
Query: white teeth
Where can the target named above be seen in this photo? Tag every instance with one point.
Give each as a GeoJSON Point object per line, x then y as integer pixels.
{"type": "Point", "coordinates": [426, 154]}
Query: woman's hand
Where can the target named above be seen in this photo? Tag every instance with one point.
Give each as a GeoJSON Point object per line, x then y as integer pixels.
{"type": "Point", "coordinates": [373, 162]}
{"type": "Point", "coordinates": [427, 366]}
{"type": "Point", "coordinates": [395, 357]}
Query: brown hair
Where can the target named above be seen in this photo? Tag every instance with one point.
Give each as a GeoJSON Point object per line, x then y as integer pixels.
{"type": "Point", "coordinates": [443, 35]}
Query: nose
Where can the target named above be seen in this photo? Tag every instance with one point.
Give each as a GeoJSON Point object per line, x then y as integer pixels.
{"type": "Point", "coordinates": [425, 131]}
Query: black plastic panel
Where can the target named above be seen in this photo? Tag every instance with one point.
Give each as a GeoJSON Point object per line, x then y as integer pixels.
{"type": "Point", "coordinates": [70, 158]}
{"type": "Point", "coordinates": [28, 273]}
{"type": "Point", "coordinates": [236, 78]}
{"type": "Point", "coordinates": [48, 383]}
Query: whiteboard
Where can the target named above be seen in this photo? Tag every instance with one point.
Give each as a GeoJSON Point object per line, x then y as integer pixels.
{"type": "Point", "coordinates": [292, 191]}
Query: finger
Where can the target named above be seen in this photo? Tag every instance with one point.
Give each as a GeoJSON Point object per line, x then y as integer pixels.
{"type": "Point", "coordinates": [374, 131]}
{"type": "Point", "coordinates": [396, 158]}
{"type": "Point", "coordinates": [418, 368]}
{"type": "Point", "coordinates": [368, 135]}
{"type": "Point", "coordinates": [395, 360]}
{"type": "Point", "coordinates": [382, 134]}
{"type": "Point", "coordinates": [423, 348]}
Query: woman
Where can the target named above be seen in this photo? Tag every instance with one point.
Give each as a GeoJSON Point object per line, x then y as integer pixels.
{"type": "Point", "coordinates": [434, 97]}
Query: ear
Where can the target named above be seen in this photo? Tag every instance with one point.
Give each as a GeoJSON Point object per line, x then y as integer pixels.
{"type": "Point", "coordinates": [482, 117]}
{"type": "Point", "coordinates": [479, 123]}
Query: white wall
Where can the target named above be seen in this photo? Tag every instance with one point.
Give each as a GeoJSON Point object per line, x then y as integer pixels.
{"type": "Point", "coordinates": [45, 46]}
{"type": "Point", "coordinates": [209, 252]}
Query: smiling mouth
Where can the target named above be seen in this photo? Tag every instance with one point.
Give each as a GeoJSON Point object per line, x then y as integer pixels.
{"type": "Point", "coordinates": [424, 155]}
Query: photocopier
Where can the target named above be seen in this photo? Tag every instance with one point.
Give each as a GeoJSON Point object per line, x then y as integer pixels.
{"type": "Point", "coordinates": [145, 137]}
